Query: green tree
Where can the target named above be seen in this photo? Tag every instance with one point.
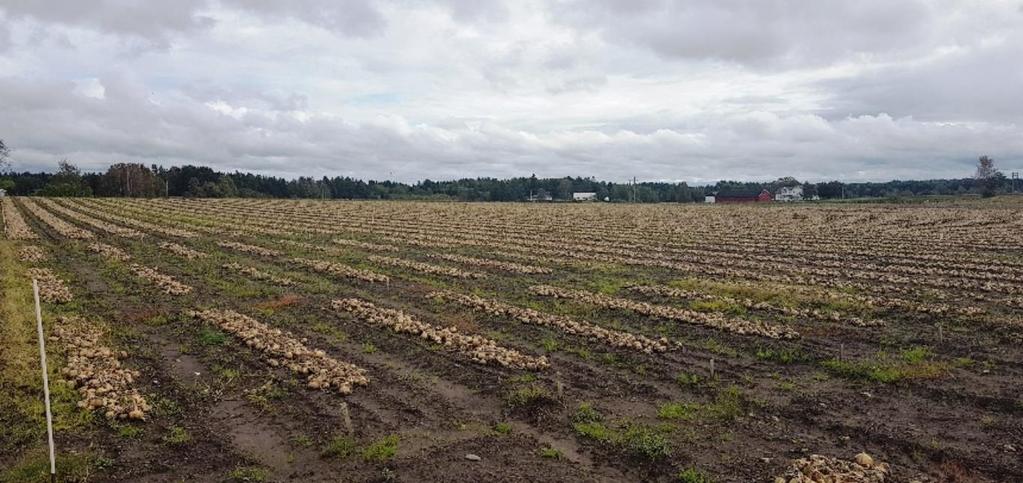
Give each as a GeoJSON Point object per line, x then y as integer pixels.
{"type": "Point", "coordinates": [67, 182]}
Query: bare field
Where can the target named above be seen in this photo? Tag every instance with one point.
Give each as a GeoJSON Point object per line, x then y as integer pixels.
{"type": "Point", "coordinates": [251, 340]}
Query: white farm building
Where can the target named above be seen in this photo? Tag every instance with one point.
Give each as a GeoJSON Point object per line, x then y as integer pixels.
{"type": "Point", "coordinates": [789, 193]}
{"type": "Point", "coordinates": [584, 196]}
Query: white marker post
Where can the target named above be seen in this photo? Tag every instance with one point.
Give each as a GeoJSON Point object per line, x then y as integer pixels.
{"type": "Point", "coordinates": [46, 378]}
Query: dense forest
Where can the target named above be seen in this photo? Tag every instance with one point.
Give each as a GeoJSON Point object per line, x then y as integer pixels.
{"type": "Point", "coordinates": [137, 180]}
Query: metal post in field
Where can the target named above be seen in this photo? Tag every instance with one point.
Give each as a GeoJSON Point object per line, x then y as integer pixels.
{"type": "Point", "coordinates": [46, 378]}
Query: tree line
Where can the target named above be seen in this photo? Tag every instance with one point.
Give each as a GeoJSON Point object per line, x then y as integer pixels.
{"type": "Point", "coordinates": [138, 180]}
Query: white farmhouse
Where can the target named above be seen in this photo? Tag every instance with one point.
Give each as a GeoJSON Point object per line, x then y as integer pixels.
{"type": "Point", "coordinates": [709, 199]}
{"type": "Point", "coordinates": [584, 196]}
{"type": "Point", "coordinates": [789, 193]}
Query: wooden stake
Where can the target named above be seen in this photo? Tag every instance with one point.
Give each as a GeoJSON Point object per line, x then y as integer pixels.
{"type": "Point", "coordinates": [560, 389]}
{"type": "Point", "coordinates": [841, 352]}
{"type": "Point", "coordinates": [46, 379]}
{"type": "Point", "coordinates": [712, 368]}
{"type": "Point", "coordinates": [346, 417]}
{"type": "Point", "coordinates": [941, 335]}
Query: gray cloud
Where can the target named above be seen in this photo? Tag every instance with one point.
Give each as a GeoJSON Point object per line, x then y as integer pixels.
{"type": "Point", "coordinates": [154, 23]}
{"type": "Point", "coordinates": [692, 91]}
{"type": "Point", "coordinates": [766, 34]}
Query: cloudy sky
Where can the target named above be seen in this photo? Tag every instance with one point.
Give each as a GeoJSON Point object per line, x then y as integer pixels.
{"type": "Point", "coordinates": [693, 90]}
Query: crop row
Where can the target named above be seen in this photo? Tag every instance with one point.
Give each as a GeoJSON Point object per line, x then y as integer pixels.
{"type": "Point", "coordinates": [421, 267]}
{"type": "Point", "coordinates": [101, 225]}
{"type": "Point", "coordinates": [87, 206]}
{"type": "Point", "coordinates": [257, 274]}
{"type": "Point", "coordinates": [109, 252]}
{"type": "Point", "coordinates": [341, 270]}
{"type": "Point", "coordinates": [716, 321]}
{"type": "Point", "coordinates": [283, 349]}
{"type": "Point", "coordinates": [62, 227]}
{"type": "Point", "coordinates": [14, 225]}
{"type": "Point", "coordinates": [250, 249]}
{"type": "Point", "coordinates": [568, 325]}
{"type": "Point", "coordinates": [166, 283]}
{"type": "Point", "coordinates": [477, 348]}
{"type": "Point", "coordinates": [183, 251]}
{"type": "Point", "coordinates": [810, 313]}
{"type": "Point", "coordinates": [491, 263]}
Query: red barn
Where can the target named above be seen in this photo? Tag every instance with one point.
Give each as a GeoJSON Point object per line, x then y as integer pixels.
{"type": "Point", "coordinates": [739, 196]}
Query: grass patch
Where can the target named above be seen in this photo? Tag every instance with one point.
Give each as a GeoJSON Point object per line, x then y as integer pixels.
{"type": "Point", "coordinates": [248, 473]}
{"type": "Point", "coordinates": [717, 305]}
{"type": "Point", "coordinates": [916, 355]}
{"type": "Point", "coordinates": [551, 453]}
{"type": "Point", "coordinates": [503, 428]}
{"type": "Point", "coordinates": [729, 404]}
{"type": "Point", "coordinates": [264, 396]}
{"type": "Point", "coordinates": [782, 356]}
{"type": "Point", "coordinates": [675, 411]}
{"type": "Point", "coordinates": [596, 431]}
{"type": "Point", "coordinates": [368, 348]}
{"type": "Point", "coordinates": [333, 333]}
{"type": "Point", "coordinates": [686, 379]}
{"type": "Point", "coordinates": [35, 467]}
{"type": "Point", "coordinates": [637, 439]}
{"type": "Point", "coordinates": [913, 363]}
{"type": "Point", "coordinates": [177, 436]}
{"type": "Point", "coordinates": [585, 413]}
{"type": "Point", "coordinates": [128, 431]}
{"type": "Point", "coordinates": [528, 396]}
{"type": "Point", "coordinates": [381, 450]}
{"type": "Point", "coordinates": [340, 447]}
{"type": "Point", "coordinates": [692, 475]}
{"type": "Point", "coordinates": [209, 336]}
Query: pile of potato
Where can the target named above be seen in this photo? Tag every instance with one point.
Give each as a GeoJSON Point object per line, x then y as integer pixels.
{"type": "Point", "coordinates": [31, 254]}
{"type": "Point", "coordinates": [283, 349]}
{"type": "Point", "coordinates": [341, 270]}
{"type": "Point", "coordinates": [827, 469]}
{"type": "Point", "coordinates": [51, 288]}
{"type": "Point", "coordinates": [809, 313]}
{"type": "Point", "coordinates": [109, 252]}
{"type": "Point", "coordinates": [568, 325]}
{"type": "Point", "coordinates": [491, 263]}
{"type": "Point", "coordinates": [183, 251]}
{"type": "Point", "coordinates": [479, 349]}
{"type": "Point", "coordinates": [423, 267]}
{"type": "Point", "coordinates": [716, 321]}
{"type": "Point", "coordinates": [96, 372]}
{"type": "Point", "coordinates": [165, 282]}
{"type": "Point", "coordinates": [252, 249]}
{"type": "Point", "coordinates": [257, 274]}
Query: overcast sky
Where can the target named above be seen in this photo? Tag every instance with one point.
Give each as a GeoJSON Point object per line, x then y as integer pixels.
{"type": "Point", "coordinates": [695, 90]}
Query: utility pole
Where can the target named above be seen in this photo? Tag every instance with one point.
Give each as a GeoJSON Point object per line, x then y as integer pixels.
{"type": "Point", "coordinates": [633, 189]}
{"type": "Point", "coordinates": [1015, 179]}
